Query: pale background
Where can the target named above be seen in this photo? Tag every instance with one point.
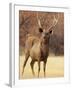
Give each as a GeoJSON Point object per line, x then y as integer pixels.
{"type": "Point", "coordinates": [4, 44]}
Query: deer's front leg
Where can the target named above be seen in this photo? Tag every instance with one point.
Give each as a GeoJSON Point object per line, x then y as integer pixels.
{"type": "Point", "coordinates": [44, 68]}
{"type": "Point", "coordinates": [38, 68]}
{"type": "Point", "coordinates": [32, 66]}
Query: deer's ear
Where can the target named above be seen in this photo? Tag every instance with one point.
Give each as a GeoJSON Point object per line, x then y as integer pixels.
{"type": "Point", "coordinates": [50, 31]}
{"type": "Point", "coordinates": [40, 30]}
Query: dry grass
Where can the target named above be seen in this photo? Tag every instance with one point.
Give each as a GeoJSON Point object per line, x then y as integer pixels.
{"type": "Point", "coordinates": [54, 68]}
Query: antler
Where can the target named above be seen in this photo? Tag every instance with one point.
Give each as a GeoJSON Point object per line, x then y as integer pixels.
{"type": "Point", "coordinates": [39, 23]}
{"type": "Point", "coordinates": [55, 21]}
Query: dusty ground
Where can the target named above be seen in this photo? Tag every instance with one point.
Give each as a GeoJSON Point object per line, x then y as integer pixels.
{"type": "Point", "coordinates": [54, 68]}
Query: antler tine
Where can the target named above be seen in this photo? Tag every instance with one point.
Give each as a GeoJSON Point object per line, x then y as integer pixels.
{"type": "Point", "coordinates": [39, 23]}
{"type": "Point", "coordinates": [55, 21]}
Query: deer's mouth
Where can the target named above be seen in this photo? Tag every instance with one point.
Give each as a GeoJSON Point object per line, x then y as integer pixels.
{"type": "Point", "coordinates": [45, 40]}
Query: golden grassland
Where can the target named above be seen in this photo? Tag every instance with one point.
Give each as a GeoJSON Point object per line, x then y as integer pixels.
{"type": "Point", "coordinates": [54, 68]}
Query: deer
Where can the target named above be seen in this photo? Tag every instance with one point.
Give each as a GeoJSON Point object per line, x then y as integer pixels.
{"type": "Point", "coordinates": [38, 48]}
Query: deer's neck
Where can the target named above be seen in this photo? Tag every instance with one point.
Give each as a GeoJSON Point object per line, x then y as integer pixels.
{"type": "Point", "coordinates": [44, 50]}
{"type": "Point", "coordinates": [45, 46]}
{"type": "Point", "coordinates": [45, 43]}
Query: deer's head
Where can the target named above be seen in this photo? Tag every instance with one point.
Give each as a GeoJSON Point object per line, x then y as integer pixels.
{"type": "Point", "coordinates": [45, 34]}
